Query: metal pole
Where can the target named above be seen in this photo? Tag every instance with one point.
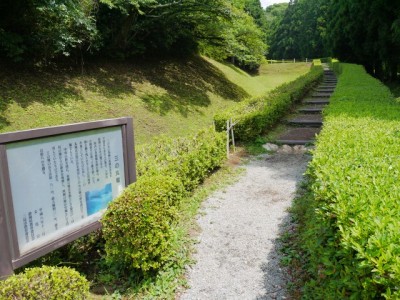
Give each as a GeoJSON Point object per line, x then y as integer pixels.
{"type": "Point", "coordinates": [227, 138]}
{"type": "Point", "coordinates": [233, 137]}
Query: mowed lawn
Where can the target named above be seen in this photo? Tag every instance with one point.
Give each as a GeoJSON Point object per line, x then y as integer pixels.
{"type": "Point", "coordinates": [171, 97]}
{"type": "Point", "coordinates": [268, 77]}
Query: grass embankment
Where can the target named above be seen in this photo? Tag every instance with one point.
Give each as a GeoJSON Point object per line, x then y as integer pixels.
{"type": "Point", "coordinates": [268, 77]}
{"type": "Point", "coordinates": [172, 97]}
{"type": "Point", "coordinates": [350, 220]}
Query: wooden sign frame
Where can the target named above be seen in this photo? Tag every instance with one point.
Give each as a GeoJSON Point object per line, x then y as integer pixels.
{"type": "Point", "coordinates": [11, 257]}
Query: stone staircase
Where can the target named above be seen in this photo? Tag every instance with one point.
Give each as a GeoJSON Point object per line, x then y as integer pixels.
{"type": "Point", "coordinates": [302, 127]}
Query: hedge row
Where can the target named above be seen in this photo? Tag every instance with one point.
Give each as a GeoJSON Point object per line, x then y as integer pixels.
{"type": "Point", "coordinates": [256, 114]}
{"type": "Point", "coordinates": [353, 238]}
{"type": "Point", "coordinates": [138, 226]}
{"type": "Point", "coordinates": [46, 283]}
{"type": "Point", "coordinates": [191, 159]}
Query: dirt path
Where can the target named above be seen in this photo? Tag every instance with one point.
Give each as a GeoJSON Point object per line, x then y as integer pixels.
{"type": "Point", "coordinates": [237, 255]}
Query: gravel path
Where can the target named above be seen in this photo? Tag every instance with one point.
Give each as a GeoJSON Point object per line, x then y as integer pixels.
{"type": "Point", "coordinates": [237, 255]}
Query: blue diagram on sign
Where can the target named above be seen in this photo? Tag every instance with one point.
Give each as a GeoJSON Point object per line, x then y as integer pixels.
{"type": "Point", "coordinates": [97, 200]}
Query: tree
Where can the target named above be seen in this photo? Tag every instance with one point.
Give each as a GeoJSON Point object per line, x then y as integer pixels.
{"type": "Point", "coordinates": [131, 28]}
{"type": "Point", "coordinates": [284, 43]}
{"type": "Point", "coordinates": [49, 29]}
{"type": "Point", "coordinates": [301, 32]}
{"type": "Point", "coordinates": [45, 29]}
{"type": "Point", "coordinates": [241, 41]}
{"type": "Point", "coordinates": [274, 15]}
{"type": "Point", "coordinates": [254, 9]}
{"type": "Point", "coordinates": [366, 32]}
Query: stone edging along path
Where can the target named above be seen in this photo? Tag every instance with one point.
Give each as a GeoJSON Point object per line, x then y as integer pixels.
{"type": "Point", "coordinates": [237, 254]}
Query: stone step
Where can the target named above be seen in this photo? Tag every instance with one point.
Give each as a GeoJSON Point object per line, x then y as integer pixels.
{"type": "Point", "coordinates": [312, 109]}
{"type": "Point", "coordinates": [321, 95]}
{"type": "Point", "coordinates": [298, 136]}
{"type": "Point", "coordinates": [327, 86]}
{"type": "Point", "coordinates": [316, 101]}
{"type": "Point", "coordinates": [324, 90]}
{"type": "Point", "coordinates": [313, 120]}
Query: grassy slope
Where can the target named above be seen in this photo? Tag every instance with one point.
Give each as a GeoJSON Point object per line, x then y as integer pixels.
{"type": "Point", "coordinates": [172, 97]}
{"type": "Point", "coordinates": [269, 76]}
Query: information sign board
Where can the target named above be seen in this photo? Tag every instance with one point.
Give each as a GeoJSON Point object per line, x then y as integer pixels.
{"type": "Point", "coordinates": [57, 182]}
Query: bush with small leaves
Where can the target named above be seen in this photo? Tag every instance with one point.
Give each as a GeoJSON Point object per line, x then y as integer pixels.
{"type": "Point", "coordinates": [45, 283]}
{"type": "Point", "coordinates": [191, 158]}
{"type": "Point", "coordinates": [137, 226]}
{"type": "Point", "coordinates": [351, 236]}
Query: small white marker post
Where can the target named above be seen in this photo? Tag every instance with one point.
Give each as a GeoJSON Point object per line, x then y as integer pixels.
{"type": "Point", "coordinates": [227, 138]}
{"type": "Point", "coordinates": [229, 131]}
{"type": "Point", "coordinates": [233, 136]}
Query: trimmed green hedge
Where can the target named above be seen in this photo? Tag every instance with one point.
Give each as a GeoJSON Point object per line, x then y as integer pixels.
{"type": "Point", "coordinates": [45, 283]}
{"type": "Point", "coordinates": [256, 114]}
{"type": "Point", "coordinates": [138, 226]}
{"type": "Point", "coordinates": [353, 236]}
{"type": "Point", "coordinates": [191, 159]}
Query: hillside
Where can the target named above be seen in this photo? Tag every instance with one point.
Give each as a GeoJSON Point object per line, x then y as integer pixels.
{"type": "Point", "coordinates": [173, 97]}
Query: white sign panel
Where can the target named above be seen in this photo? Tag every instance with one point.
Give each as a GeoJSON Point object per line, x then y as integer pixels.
{"type": "Point", "coordinates": [63, 183]}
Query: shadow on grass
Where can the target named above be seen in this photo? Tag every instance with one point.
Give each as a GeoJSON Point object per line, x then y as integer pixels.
{"type": "Point", "coordinates": [185, 85]}
{"type": "Point", "coordinates": [163, 103]}
{"type": "Point", "coordinates": [26, 87]}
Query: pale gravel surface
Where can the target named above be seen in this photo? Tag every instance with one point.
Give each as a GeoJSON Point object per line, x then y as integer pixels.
{"type": "Point", "coordinates": [237, 256]}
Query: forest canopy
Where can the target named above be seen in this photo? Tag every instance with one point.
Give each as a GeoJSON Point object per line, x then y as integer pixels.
{"type": "Point", "coordinates": [358, 31]}
{"type": "Point", "coordinates": [46, 30]}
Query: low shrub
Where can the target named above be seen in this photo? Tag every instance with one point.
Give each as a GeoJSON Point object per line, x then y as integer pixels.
{"type": "Point", "coordinates": [352, 239]}
{"type": "Point", "coordinates": [256, 114]}
{"type": "Point", "coordinates": [326, 60]}
{"type": "Point", "coordinates": [191, 159]}
{"type": "Point", "coordinates": [138, 225]}
{"type": "Point", "coordinates": [45, 283]}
